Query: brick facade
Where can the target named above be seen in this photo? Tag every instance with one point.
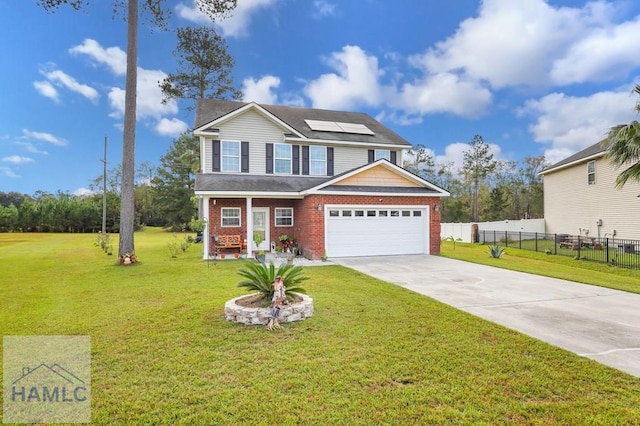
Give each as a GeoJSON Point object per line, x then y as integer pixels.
{"type": "Point", "coordinates": [308, 222]}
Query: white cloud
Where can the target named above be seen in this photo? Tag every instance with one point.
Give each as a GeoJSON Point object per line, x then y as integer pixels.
{"type": "Point", "coordinates": [570, 123]}
{"type": "Point", "coordinates": [445, 92]}
{"type": "Point", "coordinates": [113, 57]}
{"type": "Point", "coordinates": [453, 153]}
{"type": "Point", "coordinates": [514, 43]}
{"type": "Point", "coordinates": [60, 78]}
{"type": "Point", "coordinates": [323, 9]}
{"type": "Point", "coordinates": [83, 191]}
{"type": "Point", "coordinates": [47, 90]}
{"type": "Point", "coordinates": [605, 54]}
{"type": "Point", "coordinates": [261, 90]}
{"type": "Point", "coordinates": [171, 127]}
{"type": "Point", "coordinates": [149, 96]}
{"type": "Point", "coordinates": [7, 172]}
{"type": "Point", "coordinates": [16, 159]}
{"type": "Point", "coordinates": [354, 82]}
{"type": "Point", "coordinates": [149, 99]}
{"type": "Point", "coordinates": [44, 137]}
{"type": "Point", "coordinates": [30, 147]}
{"type": "Point", "coordinates": [234, 25]}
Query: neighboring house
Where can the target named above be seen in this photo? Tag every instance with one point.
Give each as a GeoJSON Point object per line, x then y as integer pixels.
{"type": "Point", "coordinates": [580, 197]}
{"type": "Point", "coordinates": [331, 180]}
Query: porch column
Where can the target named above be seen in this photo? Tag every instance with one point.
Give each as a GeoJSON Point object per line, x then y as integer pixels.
{"type": "Point", "coordinates": [206, 238]}
{"type": "Point", "coordinates": [249, 227]}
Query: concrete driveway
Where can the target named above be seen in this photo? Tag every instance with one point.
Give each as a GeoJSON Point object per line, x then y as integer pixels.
{"type": "Point", "coordinates": [595, 322]}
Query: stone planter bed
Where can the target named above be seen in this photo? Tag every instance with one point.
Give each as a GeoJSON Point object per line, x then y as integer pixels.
{"type": "Point", "coordinates": [296, 311]}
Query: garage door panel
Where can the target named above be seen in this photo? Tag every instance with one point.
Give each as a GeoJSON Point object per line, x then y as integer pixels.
{"type": "Point", "coordinates": [379, 235]}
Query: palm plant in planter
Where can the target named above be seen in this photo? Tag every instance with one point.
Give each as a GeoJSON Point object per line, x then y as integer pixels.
{"type": "Point", "coordinates": [258, 277]}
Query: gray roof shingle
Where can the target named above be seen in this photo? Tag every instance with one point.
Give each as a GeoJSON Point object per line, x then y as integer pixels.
{"type": "Point", "coordinates": [588, 152]}
{"type": "Point", "coordinates": [209, 110]}
{"type": "Point", "coordinates": [255, 183]}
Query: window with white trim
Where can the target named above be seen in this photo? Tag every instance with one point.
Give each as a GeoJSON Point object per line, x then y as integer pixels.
{"type": "Point", "coordinates": [284, 216]}
{"type": "Point", "coordinates": [282, 158]}
{"type": "Point", "coordinates": [230, 156]}
{"type": "Point", "coordinates": [230, 217]}
{"type": "Point", "coordinates": [318, 160]}
{"type": "Point", "coordinates": [591, 172]}
{"type": "Point", "coordinates": [382, 153]}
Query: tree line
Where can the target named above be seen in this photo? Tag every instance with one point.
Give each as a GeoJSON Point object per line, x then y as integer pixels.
{"type": "Point", "coordinates": [483, 188]}
{"type": "Point", "coordinates": [163, 197]}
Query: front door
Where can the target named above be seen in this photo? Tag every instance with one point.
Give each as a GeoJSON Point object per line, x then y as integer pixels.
{"type": "Point", "coordinates": [261, 227]}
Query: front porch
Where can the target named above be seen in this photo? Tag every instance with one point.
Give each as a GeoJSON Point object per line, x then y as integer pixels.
{"type": "Point", "coordinates": [264, 225]}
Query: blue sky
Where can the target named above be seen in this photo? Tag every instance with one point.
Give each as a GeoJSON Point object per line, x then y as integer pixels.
{"type": "Point", "coordinates": [533, 77]}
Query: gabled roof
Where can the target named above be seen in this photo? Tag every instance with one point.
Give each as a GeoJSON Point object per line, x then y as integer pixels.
{"type": "Point", "coordinates": [594, 151]}
{"type": "Point", "coordinates": [211, 110]}
{"type": "Point", "coordinates": [424, 186]}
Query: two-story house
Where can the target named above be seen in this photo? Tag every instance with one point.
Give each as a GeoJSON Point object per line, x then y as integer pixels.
{"type": "Point", "coordinates": [580, 197]}
{"type": "Point", "coordinates": [331, 180]}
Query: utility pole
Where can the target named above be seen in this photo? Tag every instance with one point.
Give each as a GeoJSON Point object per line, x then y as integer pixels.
{"type": "Point", "coordinates": [104, 188]}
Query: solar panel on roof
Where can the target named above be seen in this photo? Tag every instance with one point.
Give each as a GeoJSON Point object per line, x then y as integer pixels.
{"type": "Point", "coordinates": [323, 126]}
{"type": "Point", "coordinates": [339, 127]}
{"type": "Point", "coordinates": [359, 129]}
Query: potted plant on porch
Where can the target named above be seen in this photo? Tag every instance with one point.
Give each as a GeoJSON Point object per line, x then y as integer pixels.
{"type": "Point", "coordinates": [258, 239]}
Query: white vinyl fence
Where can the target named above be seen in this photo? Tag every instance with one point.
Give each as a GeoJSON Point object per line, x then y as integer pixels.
{"type": "Point", "coordinates": [463, 231]}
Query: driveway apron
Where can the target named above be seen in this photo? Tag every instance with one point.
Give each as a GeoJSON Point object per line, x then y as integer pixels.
{"type": "Point", "coordinates": [594, 322]}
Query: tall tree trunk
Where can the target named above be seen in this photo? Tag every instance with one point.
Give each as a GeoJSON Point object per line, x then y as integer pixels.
{"type": "Point", "coordinates": [127, 202]}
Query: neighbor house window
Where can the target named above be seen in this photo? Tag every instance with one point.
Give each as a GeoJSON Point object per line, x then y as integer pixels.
{"type": "Point", "coordinates": [591, 172]}
{"type": "Point", "coordinates": [230, 216]}
{"type": "Point", "coordinates": [282, 158]}
{"type": "Point", "coordinates": [284, 217]}
{"type": "Point", "coordinates": [383, 153]}
{"type": "Point", "coordinates": [230, 155]}
{"type": "Point", "coordinates": [318, 160]}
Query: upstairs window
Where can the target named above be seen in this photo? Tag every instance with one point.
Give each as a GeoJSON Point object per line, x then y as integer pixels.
{"type": "Point", "coordinates": [318, 160]}
{"type": "Point", "coordinates": [382, 153]}
{"type": "Point", "coordinates": [591, 172]}
{"type": "Point", "coordinates": [282, 158]}
{"type": "Point", "coordinates": [230, 154]}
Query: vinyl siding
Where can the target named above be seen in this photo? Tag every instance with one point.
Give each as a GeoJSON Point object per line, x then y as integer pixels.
{"type": "Point", "coordinates": [206, 149]}
{"type": "Point", "coordinates": [258, 131]}
{"type": "Point", "coordinates": [348, 158]}
{"type": "Point", "coordinates": [378, 176]}
{"type": "Point", "coordinates": [571, 204]}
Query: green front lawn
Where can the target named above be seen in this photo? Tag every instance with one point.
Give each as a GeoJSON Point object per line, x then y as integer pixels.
{"type": "Point", "coordinates": [583, 270]}
{"type": "Point", "coordinates": [374, 353]}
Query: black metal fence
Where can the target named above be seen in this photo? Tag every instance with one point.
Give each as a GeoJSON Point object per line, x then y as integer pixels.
{"type": "Point", "coordinates": [612, 251]}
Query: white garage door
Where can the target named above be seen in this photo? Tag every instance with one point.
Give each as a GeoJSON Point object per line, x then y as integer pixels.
{"type": "Point", "coordinates": [361, 231]}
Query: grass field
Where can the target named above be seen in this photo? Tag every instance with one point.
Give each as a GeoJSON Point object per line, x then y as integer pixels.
{"type": "Point", "coordinates": [373, 353]}
{"type": "Point", "coordinates": [564, 267]}
{"type": "Point", "coordinates": [606, 253]}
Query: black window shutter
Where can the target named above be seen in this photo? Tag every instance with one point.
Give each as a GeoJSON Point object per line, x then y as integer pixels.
{"type": "Point", "coordinates": [329, 161]}
{"type": "Point", "coordinates": [244, 157]}
{"type": "Point", "coordinates": [295, 159]}
{"type": "Point", "coordinates": [372, 155]}
{"type": "Point", "coordinates": [305, 160]}
{"type": "Point", "coordinates": [393, 157]}
{"type": "Point", "coordinates": [269, 164]}
{"type": "Point", "coordinates": [216, 156]}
